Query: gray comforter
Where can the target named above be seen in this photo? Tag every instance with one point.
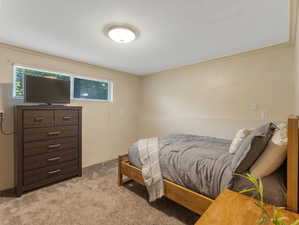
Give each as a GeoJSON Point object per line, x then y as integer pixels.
{"type": "Point", "coordinates": [203, 165]}
{"type": "Point", "coordinates": [199, 163]}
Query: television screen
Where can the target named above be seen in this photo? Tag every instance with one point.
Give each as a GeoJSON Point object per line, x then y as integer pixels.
{"type": "Point", "coordinates": [46, 90]}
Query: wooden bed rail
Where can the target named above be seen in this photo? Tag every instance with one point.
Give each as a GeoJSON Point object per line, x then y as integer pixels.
{"type": "Point", "coordinates": [120, 173]}
{"type": "Point", "coordinates": [196, 202]}
{"type": "Point", "coordinates": [292, 164]}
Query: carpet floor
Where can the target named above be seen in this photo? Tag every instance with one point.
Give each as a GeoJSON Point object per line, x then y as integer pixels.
{"type": "Point", "coordinates": [93, 199]}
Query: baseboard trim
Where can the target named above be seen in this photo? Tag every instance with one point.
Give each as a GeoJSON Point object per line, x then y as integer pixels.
{"type": "Point", "coordinates": [11, 192]}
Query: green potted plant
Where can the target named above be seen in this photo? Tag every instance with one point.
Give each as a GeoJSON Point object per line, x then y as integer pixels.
{"type": "Point", "coordinates": [274, 215]}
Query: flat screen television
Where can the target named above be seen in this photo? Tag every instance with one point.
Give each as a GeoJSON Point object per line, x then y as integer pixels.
{"type": "Point", "coordinates": [46, 90]}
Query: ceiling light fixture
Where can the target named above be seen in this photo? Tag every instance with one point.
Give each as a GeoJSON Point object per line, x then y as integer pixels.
{"type": "Point", "coordinates": [122, 34]}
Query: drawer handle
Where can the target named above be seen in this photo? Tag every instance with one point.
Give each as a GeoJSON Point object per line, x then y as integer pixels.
{"type": "Point", "coordinates": [54, 146]}
{"type": "Point", "coordinates": [67, 118]}
{"type": "Point", "coordinates": [38, 119]}
{"type": "Point", "coordinates": [54, 133]}
{"type": "Point", "coordinates": [54, 172]}
{"type": "Point", "coordinates": [54, 159]}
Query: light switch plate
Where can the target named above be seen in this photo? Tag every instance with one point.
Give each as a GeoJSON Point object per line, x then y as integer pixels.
{"type": "Point", "coordinates": [253, 107]}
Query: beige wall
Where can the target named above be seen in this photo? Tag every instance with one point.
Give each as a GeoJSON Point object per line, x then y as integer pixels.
{"type": "Point", "coordinates": [108, 128]}
{"type": "Point", "coordinates": [296, 66]}
{"type": "Point", "coordinates": [215, 98]}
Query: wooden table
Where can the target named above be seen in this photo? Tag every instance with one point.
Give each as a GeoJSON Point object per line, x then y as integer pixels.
{"type": "Point", "coordinates": [232, 208]}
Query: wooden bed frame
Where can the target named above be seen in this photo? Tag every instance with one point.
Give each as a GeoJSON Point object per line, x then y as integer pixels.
{"type": "Point", "coordinates": [199, 203]}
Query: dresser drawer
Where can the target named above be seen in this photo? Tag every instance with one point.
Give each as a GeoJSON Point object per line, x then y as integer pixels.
{"type": "Point", "coordinates": [36, 134]}
{"type": "Point", "coordinates": [55, 145]}
{"type": "Point", "coordinates": [49, 159]}
{"type": "Point", "coordinates": [66, 117]}
{"type": "Point", "coordinates": [48, 173]}
{"type": "Point", "coordinates": [38, 118]}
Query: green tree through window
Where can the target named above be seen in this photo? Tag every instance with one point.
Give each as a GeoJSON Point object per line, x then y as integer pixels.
{"type": "Point", "coordinates": [91, 89]}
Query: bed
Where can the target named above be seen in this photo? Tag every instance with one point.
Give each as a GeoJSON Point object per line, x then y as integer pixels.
{"type": "Point", "coordinates": [194, 187]}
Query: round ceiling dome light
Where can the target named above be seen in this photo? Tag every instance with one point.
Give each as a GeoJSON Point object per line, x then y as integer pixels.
{"type": "Point", "coordinates": [122, 34]}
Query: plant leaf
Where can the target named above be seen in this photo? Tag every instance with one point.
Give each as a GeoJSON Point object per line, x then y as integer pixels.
{"type": "Point", "coordinates": [262, 220]}
{"type": "Point", "coordinates": [247, 190]}
{"type": "Point", "coordinates": [261, 189]}
{"type": "Point", "coordinates": [252, 179]}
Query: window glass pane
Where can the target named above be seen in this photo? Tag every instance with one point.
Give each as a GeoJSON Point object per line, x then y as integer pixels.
{"type": "Point", "coordinates": [91, 89]}
{"type": "Point", "coordinates": [19, 76]}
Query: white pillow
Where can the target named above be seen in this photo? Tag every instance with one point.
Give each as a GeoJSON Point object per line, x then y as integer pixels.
{"type": "Point", "coordinates": [274, 154]}
{"type": "Point", "coordinates": [240, 136]}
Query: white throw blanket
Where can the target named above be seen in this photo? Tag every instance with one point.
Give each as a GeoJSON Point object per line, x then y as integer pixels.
{"type": "Point", "coordinates": [151, 171]}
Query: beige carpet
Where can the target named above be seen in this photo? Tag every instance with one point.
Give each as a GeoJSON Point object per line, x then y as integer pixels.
{"type": "Point", "coordinates": [94, 199]}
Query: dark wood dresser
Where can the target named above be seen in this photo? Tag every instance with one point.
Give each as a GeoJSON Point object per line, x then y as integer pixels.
{"type": "Point", "coordinates": [48, 143]}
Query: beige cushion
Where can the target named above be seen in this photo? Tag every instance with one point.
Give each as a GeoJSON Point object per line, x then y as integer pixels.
{"type": "Point", "coordinates": [274, 154]}
{"type": "Point", "coordinates": [240, 136]}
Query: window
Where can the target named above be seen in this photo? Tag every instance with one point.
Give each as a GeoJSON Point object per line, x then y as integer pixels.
{"type": "Point", "coordinates": [19, 78]}
{"type": "Point", "coordinates": [82, 88]}
{"type": "Point", "coordinates": [91, 89]}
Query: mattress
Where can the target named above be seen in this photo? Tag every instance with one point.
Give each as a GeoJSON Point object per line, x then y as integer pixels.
{"type": "Point", "coordinates": [203, 164]}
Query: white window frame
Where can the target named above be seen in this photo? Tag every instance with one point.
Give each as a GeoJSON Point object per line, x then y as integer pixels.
{"type": "Point", "coordinates": [110, 84]}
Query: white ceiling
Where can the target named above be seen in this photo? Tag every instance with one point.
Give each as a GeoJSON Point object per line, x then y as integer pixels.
{"type": "Point", "coordinates": [172, 32]}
